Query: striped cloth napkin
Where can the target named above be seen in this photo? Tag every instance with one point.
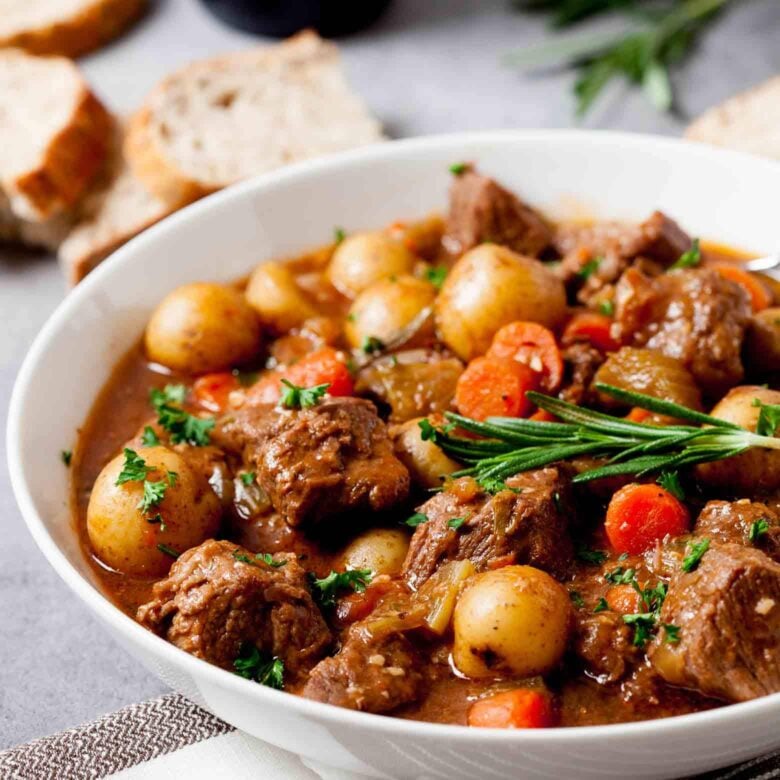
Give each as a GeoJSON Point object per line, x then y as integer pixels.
{"type": "Point", "coordinates": [171, 737]}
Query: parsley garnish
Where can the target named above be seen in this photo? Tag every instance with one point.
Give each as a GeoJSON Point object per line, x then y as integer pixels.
{"type": "Point", "coordinates": [671, 633]}
{"type": "Point", "coordinates": [576, 599]}
{"type": "Point", "coordinates": [260, 667]}
{"type": "Point", "coordinates": [371, 345]}
{"type": "Point", "coordinates": [327, 588]}
{"type": "Point", "coordinates": [248, 477]}
{"type": "Point", "coordinates": [182, 426]}
{"type": "Point", "coordinates": [768, 418]}
{"type": "Point", "coordinates": [602, 606]}
{"type": "Point", "coordinates": [339, 234]}
{"type": "Point", "coordinates": [295, 397]}
{"type": "Point", "coordinates": [607, 307]}
{"type": "Point", "coordinates": [492, 485]}
{"type": "Point", "coordinates": [590, 268]}
{"type": "Point", "coordinates": [66, 457]}
{"type": "Point", "coordinates": [164, 548]}
{"type": "Point", "coordinates": [643, 623]}
{"type": "Point", "coordinates": [134, 468]}
{"type": "Point", "coordinates": [670, 482]}
{"type": "Point", "coordinates": [266, 558]}
{"type": "Point", "coordinates": [757, 529]}
{"type": "Point", "coordinates": [620, 576]}
{"type": "Point", "coordinates": [688, 259]}
{"type": "Point", "coordinates": [456, 522]}
{"type": "Point", "coordinates": [418, 518]}
{"type": "Point", "coordinates": [593, 557]}
{"type": "Point", "coordinates": [154, 492]}
{"type": "Point", "coordinates": [437, 275]}
{"type": "Point", "coordinates": [158, 518]}
{"type": "Point", "coordinates": [696, 552]}
{"type": "Point", "coordinates": [457, 169]}
{"type": "Point", "coordinates": [149, 438]}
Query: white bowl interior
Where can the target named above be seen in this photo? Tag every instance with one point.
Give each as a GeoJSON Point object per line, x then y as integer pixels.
{"type": "Point", "coordinates": [720, 196]}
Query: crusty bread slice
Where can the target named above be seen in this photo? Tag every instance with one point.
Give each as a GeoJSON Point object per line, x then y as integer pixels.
{"type": "Point", "coordinates": [749, 121]}
{"type": "Point", "coordinates": [48, 234]}
{"type": "Point", "coordinates": [66, 27]}
{"type": "Point", "coordinates": [220, 120]}
{"type": "Point", "coordinates": [117, 209]}
{"type": "Point", "coordinates": [55, 134]}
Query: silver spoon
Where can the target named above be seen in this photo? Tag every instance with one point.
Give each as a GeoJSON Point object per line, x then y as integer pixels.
{"type": "Point", "coordinates": [769, 265]}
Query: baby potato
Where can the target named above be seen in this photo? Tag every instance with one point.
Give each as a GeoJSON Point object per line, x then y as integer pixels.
{"type": "Point", "coordinates": [120, 532]}
{"type": "Point", "coordinates": [491, 286]}
{"type": "Point", "coordinates": [756, 469]}
{"type": "Point", "coordinates": [382, 550]}
{"type": "Point", "coordinates": [511, 621]}
{"type": "Point", "coordinates": [385, 308]}
{"type": "Point", "coordinates": [364, 258]}
{"type": "Point", "coordinates": [426, 462]}
{"type": "Point", "coordinates": [273, 293]}
{"type": "Point", "coordinates": [762, 343]}
{"type": "Point", "coordinates": [202, 327]}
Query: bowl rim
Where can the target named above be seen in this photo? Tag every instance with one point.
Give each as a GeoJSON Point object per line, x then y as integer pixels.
{"type": "Point", "coordinates": [321, 712]}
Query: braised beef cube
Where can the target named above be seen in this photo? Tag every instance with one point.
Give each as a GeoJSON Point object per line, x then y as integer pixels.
{"type": "Point", "coordinates": [604, 643]}
{"type": "Point", "coordinates": [481, 210]}
{"type": "Point", "coordinates": [694, 315]}
{"type": "Point", "coordinates": [218, 596]}
{"type": "Point", "coordinates": [315, 463]}
{"type": "Point", "coordinates": [527, 523]}
{"type": "Point", "coordinates": [370, 673]}
{"type": "Point", "coordinates": [728, 614]}
{"type": "Point", "coordinates": [414, 383]}
{"type": "Point", "coordinates": [581, 361]}
{"type": "Point", "coordinates": [741, 522]}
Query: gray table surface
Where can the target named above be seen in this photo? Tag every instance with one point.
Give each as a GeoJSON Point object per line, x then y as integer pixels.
{"type": "Point", "coordinates": [429, 66]}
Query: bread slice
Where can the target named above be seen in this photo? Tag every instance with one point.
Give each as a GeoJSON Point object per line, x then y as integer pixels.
{"type": "Point", "coordinates": [220, 120]}
{"type": "Point", "coordinates": [66, 27]}
{"type": "Point", "coordinates": [55, 134]}
{"type": "Point", "coordinates": [48, 234]}
{"type": "Point", "coordinates": [119, 208]}
{"type": "Point", "coordinates": [749, 121]}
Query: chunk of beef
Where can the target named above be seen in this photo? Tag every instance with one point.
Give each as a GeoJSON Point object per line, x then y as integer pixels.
{"type": "Point", "coordinates": [414, 383]}
{"type": "Point", "coordinates": [611, 247]}
{"type": "Point", "coordinates": [314, 463]}
{"type": "Point", "coordinates": [696, 316]}
{"type": "Point", "coordinates": [526, 523]}
{"type": "Point", "coordinates": [370, 673]}
{"type": "Point", "coordinates": [728, 613]}
{"type": "Point", "coordinates": [212, 602]}
{"type": "Point", "coordinates": [734, 521]}
{"type": "Point", "coordinates": [604, 644]}
{"type": "Point", "coordinates": [581, 361]}
{"type": "Point", "coordinates": [481, 210]}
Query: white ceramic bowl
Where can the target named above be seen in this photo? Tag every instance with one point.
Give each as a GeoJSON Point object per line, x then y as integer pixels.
{"type": "Point", "coordinates": [715, 194]}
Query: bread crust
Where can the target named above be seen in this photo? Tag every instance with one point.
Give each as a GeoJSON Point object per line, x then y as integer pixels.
{"type": "Point", "coordinates": [98, 22]}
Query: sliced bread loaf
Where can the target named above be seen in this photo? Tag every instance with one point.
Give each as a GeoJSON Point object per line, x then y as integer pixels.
{"type": "Point", "coordinates": [220, 120]}
{"type": "Point", "coordinates": [66, 27]}
{"type": "Point", "coordinates": [749, 121]}
{"type": "Point", "coordinates": [117, 209]}
{"type": "Point", "coordinates": [55, 134]}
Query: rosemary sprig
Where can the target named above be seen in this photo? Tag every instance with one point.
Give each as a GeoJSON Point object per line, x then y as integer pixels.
{"type": "Point", "coordinates": [512, 445]}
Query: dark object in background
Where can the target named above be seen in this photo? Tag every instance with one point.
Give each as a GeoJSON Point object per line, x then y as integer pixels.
{"type": "Point", "coordinates": [281, 18]}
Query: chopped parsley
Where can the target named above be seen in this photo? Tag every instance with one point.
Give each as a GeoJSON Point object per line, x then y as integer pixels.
{"type": "Point", "coordinates": [295, 397]}
{"type": "Point", "coordinates": [158, 518]}
{"type": "Point", "coordinates": [768, 418]}
{"type": "Point", "coordinates": [339, 234]}
{"type": "Point", "coordinates": [576, 599]}
{"type": "Point", "coordinates": [621, 576]}
{"type": "Point", "coordinates": [182, 426]}
{"type": "Point", "coordinates": [458, 169]}
{"type": "Point", "coordinates": [418, 518]}
{"type": "Point", "coordinates": [690, 258]}
{"type": "Point", "coordinates": [670, 482]}
{"type": "Point", "coordinates": [154, 492]}
{"type": "Point", "coordinates": [164, 548]}
{"type": "Point", "coordinates": [327, 589]}
{"type": "Point", "coordinates": [589, 268]}
{"type": "Point", "coordinates": [602, 606]}
{"type": "Point", "coordinates": [494, 485]}
{"type": "Point", "coordinates": [456, 522]}
{"type": "Point", "coordinates": [266, 558]}
{"type": "Point", "coordinates": [592, 557]}
{"type": "Point", "coordinates": [671, 634]}
{"type": "Point", "coordinates": [134, 468]}
{"type": "Point", "coordinates": [757, 529]}
{"type": "Point", "coordinates": [371, 345]}
{"type": "Point", "coordinates": [694, 555]}
{"type": "Point", "coordinates": [437, 275]}
{"type": "Point", "coordinates": [248, 477]}
{"type": "Point", "coordinates": [149, 438]}
{"type": "Point", "coordinates": [606, 307]}
{"type": "Point", "coordinates": [260, 667]}
{"type": "Point", "coordinates": [66, 456]}
{"type": "Point", "coordinates": [643, 624]}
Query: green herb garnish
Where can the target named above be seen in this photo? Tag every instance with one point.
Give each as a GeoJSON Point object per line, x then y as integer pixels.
{"type": "Point", "coordinates": [66, 456]}
{"type": "Point", "coordinates": [371, 345]}
{"type": "Point", "coordinates": [248, 477]}
{"type": "Point", "coordinates": [768, 418]}
{"type": "Point", "coordinates": [592, 557]}
{"type": "Point", "coordinates": [456, 522]}
{"type": "Point", "coordinates": [183, 427]}
{"type": "Point", "coordinates": [671, 634]}
{"type": "Point", "coordinates": [418, 518]}
{"type": "Point", "coordinates": [339, 234]}
{"type": "Point", "coordinates": [576, 599]}
{"type": "Point", "coordinates": [149, 438]}
{"type": "Point", "coordinates": [602, 605]}
{"type": "Point", "coordinates": [670, 482]}
{"type": "Point", "coordinates": [295, 397]}
{"type": "Point", "coordinates": [260, 667]}
{"type": "Point", "coordinates": [164, 548]}
{"type": "Point", "coordinates": [267, 558]}
{"type": "Point", "coordinates": [437, 275]}
{"type": "Point", "coordinates": [134, 468]}
{"type": "Point", "coordinates": [458, 169]}
{"type": "Point", "coordinates": [695, 553]}
{"type": "Point", "coordinates": [757, 529]}
{"type": "Point", "coordinates": [327, 589]}
{"type": "Point", "coordinates": [688, 259]}
{"type": "Point", "coordinates": [607, 307]}
{"type": "Point", "coordinates": [589, 268]}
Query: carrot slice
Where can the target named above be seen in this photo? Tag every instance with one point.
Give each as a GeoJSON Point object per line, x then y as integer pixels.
{"type": "Point", "coordinates": [494, 387]}
{"type": "Point", "coordinates": [211, 391]}
{"type": "Point", "coordinates": [640, 515]}
{"type": "Point", "coordinates": [623, 599]}
{"type": "Point", "coordinates": [593, 327]}
{"type": "Point", "coordinates": [518, 709]}
{"type": "Point", "coordinates": [535, 346]}
{"type": "Point", "coordinates": [542, 415]}
{"type": "Point", "coordinates": [638, 415]}
{"type": "Point", "coordinates": [323, 366]}
{"type": "Point", "coordinates": [760, 297]}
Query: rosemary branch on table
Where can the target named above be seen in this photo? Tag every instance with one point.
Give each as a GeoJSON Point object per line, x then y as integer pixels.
{"type": "Point", "coordinates": [511, 445]}
{"type": "Point", "coordinates": [659, 35]}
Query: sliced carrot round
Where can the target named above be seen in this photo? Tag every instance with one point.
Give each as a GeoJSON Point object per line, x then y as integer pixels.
{"type": "Point", "coordinates": [535, 346]}
{"type": "Point", "coordinates": [623, 599]}
{"type": "Point", "coordinates": [760, 297]}
{"type": "Point", "coordinates": [521, 708]}
{"type": "Point", "coordinates": [494, 387]}
{"type": "Point", "coordinates": [592, 327]}
{"type": "Point", "coordinates": [211, 391]}
{"type": "Point", "coordinates": [640, 515]}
